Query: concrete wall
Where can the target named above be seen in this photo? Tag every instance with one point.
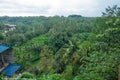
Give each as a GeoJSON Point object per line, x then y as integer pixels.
{"type": "Point", "coordinates": [8, 56]}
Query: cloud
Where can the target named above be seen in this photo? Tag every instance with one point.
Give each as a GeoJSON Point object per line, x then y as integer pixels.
{"type": "Point", "coordinates": [54, 7]}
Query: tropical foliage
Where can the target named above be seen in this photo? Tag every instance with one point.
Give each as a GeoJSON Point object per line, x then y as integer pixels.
{"type": "Point", "coordinates": [66, 48]}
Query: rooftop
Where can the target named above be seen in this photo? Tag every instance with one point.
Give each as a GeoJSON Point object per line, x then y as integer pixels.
{"type": "Point", "coordinates": [10, 69]}
{"type": "Point", "coordinates": [4, 47]}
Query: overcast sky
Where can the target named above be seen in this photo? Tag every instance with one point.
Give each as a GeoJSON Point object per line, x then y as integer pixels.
{"type": "Point", "coordinates": [87, 8]}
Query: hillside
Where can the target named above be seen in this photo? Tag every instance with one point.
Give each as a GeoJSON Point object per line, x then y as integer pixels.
{"type": "Point", "coordinates": [66, 48]}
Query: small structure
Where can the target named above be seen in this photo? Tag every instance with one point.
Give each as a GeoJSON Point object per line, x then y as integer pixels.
{"type": "Point", "coordinates": [7, 65]}
{"type": "Point", "coordinates": [10, 25]}
{"type": "Point", "coordinates": [7, 28]}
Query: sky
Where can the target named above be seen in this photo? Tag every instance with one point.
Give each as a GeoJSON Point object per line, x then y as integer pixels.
{"type": "Point", "coordinates": [88, 8]}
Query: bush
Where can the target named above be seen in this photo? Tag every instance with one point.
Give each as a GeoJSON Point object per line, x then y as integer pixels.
{"type": "Point", "coordinates": [51, 77]}
{"type": "Point", "coordinates": [27, 75]}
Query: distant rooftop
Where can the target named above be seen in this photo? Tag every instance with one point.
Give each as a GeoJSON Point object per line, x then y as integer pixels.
{"type": "Point", "coordinates": [3, 47]}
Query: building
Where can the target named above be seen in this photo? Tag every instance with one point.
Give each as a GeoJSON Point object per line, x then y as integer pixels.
{"type": "Point", "coordinates": [7, 65]}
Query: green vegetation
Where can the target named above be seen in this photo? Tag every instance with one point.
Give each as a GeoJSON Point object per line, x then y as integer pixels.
{"type": "Point", "coordinates": [66, 48]}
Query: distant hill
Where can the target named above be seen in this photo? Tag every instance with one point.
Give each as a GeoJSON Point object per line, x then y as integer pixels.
{"type": "Point", "coordinates": [74, 16]}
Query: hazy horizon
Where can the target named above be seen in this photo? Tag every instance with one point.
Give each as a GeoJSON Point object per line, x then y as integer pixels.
{"type": "Point", "coordinates": [91, 8]}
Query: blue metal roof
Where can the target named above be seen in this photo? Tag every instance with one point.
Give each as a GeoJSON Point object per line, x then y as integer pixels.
{"type": "Point", "coordinates": [10, 69]}
{"type": "Point", "coordinates": [3, 47]}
